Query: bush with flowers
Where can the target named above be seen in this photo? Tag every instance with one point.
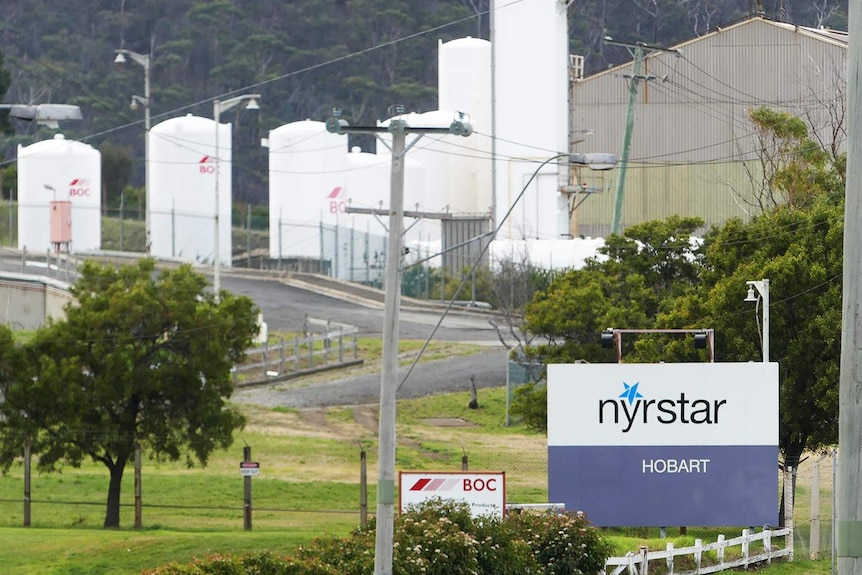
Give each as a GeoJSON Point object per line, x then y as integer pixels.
{"type": "Point", "coordinates": [436, 538]}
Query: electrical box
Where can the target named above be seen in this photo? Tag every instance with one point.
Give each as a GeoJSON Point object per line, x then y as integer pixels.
{"type": "Point", "coordinates": [61, 224]}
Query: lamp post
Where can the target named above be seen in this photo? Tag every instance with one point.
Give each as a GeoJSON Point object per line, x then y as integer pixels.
{"type": "Point", "coordinates": [220, 106]}
{"type": "Point", "coordinates": [762, 287]}
{"type": "Point", "coordinates": [142, 60]}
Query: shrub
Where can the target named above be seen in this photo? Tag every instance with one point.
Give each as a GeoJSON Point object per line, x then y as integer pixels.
{"type": "Point", "coordinates": [436, 538]}
{"type": "Point", "coordinates": [530, 403]}
{"type": "Point", "coordinates": [563, 544]}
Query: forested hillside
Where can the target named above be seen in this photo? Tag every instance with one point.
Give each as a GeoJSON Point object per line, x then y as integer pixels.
{"type": "Point", "coordinates": [303, 56]}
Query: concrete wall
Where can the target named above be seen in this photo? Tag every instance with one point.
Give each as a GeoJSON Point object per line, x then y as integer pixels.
{"type": "Point", "coordinates": [27, 301]}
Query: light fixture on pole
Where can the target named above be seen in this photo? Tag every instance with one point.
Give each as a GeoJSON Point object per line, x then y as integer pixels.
{"type": "Point", "coordinates": [762, 288]}
{"type": "Point", "coordinates": [142, 60]}
{"type": "Point", "coordinates": [45, 114]}
{"type": "Point", "coordinates": [219, 107]}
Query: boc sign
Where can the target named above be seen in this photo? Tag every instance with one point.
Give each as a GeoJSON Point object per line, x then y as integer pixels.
{"type": "Point", "coordinates": [665, 444]}
{"type": "Point", "coordinates": [484, 492]}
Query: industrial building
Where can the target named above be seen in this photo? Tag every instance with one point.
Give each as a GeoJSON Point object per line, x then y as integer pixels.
{"type": "Point", "coordinates": [691, 131]}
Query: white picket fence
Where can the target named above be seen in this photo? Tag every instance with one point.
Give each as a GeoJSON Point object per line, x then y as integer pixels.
{"type": "Point", "coordinates": [638, 563]}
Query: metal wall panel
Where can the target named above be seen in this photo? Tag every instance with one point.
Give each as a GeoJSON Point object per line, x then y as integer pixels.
{"type": "Point", "coordinates": [691, 122]}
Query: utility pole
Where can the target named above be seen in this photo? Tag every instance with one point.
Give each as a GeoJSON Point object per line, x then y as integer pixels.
{"type": "Point", "coordinates": [398, 129]}
{"type": "Point", "coordinates": [849, 530]}
{"type": "Point", "coordinates": [639, 52]}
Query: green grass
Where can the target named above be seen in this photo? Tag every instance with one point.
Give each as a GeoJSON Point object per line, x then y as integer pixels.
{"type": "Point", "coordinates": [308, 487]}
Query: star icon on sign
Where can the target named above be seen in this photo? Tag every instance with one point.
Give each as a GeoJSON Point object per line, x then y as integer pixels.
{"type": "Point", "coordinates": [631, 392]}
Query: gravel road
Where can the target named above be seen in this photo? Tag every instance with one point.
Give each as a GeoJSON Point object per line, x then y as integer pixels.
{"type": "Point", "coordinates": [439, 376]}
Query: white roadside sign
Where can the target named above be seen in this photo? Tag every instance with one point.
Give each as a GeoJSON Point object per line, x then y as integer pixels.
{"type": "Point", "coordinates": [484, 492]}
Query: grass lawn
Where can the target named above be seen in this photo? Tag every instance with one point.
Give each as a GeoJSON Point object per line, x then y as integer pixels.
{"type": "Point", "coordinates": [308, 487]}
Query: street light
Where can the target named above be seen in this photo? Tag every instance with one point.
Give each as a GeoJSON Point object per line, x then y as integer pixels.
{"type": "Point", "coordinates": [762, 288]}
{"type": "Point", "coordinates": [142, 60]}
{"type": "Point", "coordinates": [220, 106]}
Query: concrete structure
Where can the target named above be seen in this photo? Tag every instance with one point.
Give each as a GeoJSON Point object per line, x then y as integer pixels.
{"type": "Point", "coordinates": [28, 301]}
{"type": "Point", "coordinates": [182, 175]}
{"type": "Point", "coordinates": [692, 132]}
{"type": "Point", "coordinates": [59, 170]}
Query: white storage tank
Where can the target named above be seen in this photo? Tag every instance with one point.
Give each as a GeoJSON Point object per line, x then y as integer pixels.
{"type": "Point", "coordinates": [464, 82]}
{"type": "Point", "coordinates": [62, 170]}
{"type": "Point", "coordinates": [183, 168]}
{"type": "Point", "coordinates": [307, 185]}
{"type": "Point", "coordinates": [530, 42]}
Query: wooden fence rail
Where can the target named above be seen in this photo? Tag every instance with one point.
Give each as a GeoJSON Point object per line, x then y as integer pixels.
{"type": "Point", "coordinates": [638, 563]}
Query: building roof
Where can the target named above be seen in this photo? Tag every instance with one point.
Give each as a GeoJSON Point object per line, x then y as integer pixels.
{"type": "Point", "coordinates": [835, 37]}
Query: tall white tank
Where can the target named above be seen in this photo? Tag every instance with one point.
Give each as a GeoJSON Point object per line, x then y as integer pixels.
{"type": "Point", "coordinates": [464, 82]}
{"type": "Point", "coordinates": [307, 183]}
{"type": "Point", "coordinates": [183, 168]}
{"type": "Point", "coordinates": [530, 43]}
{"type": "Point", "coordinates": [59, 169]}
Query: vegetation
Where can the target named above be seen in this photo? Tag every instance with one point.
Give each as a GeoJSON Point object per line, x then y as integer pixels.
{"type": "Point", "coordinates": [141, 359]}
{"type": "Point", "coordinates": [439, 538]}
{"type": "Point", "coordinates": [655, 277]}
{"type": "Point", "coordinates": [301, 459]}
{"type": "Point", "coordinates": [303, 57]}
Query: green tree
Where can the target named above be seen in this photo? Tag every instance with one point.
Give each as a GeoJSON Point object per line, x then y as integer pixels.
{"type": "Point", "coordinates": [800, 252]}
{"type": "Point", "coordinates": [623, 287]}
{"type": "Point", "coordinates": [143, 357]}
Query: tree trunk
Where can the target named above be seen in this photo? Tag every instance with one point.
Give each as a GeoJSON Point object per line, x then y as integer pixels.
{"type": "Point", "coordinates": [112, 511]}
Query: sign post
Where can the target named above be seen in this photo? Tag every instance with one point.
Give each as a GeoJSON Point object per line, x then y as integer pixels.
{"type": "Point", "coordinates": [248, 469]}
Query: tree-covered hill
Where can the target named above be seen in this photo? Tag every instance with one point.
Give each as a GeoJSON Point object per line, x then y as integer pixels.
{"type": "Point", "coordinates": [303, 56]}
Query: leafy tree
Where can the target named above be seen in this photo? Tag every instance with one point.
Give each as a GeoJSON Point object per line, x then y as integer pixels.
{"type": "Point", "coordinates": [141, 358]}
{"type": "Point", "coordinates": [800, 252]}
{"type": "Point", "coordinates": [791, 167]}
{"type": "Point", "coordinates": [622, 289]}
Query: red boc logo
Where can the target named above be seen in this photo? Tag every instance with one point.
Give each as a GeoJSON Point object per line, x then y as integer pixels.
{"type": "Point", "coordinates": [79, 188]}
{"type": "Point", "coordinates": [480, 484]}
{"type": "Point", "coordinates": [336, 206]}
{"type": "Point", "coordinates": [207, 165]}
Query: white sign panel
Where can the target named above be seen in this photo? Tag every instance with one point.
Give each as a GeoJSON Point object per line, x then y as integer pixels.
{"type": "Point", "coordinates": [665, 444]}
{"type": "Point", "coordinates": [484, 492]}
{"type": "Point", "coordinates": [663, 404]}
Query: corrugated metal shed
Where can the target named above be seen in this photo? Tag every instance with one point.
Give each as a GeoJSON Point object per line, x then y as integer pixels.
{"type": "Point", "coordinates": [692, 131]}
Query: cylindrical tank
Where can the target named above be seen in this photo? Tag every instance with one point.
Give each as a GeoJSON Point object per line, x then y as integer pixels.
{"type": "Point", "coordinates": [307, 182]}
{"type": "Point", "coordinates": [531, 115]}
{"type": "Point", "coordinates": [183, 168]}
{"type": "Point", "coordinates": [464, 83]}
{"type": "Point", "coordinates": [59, 169]}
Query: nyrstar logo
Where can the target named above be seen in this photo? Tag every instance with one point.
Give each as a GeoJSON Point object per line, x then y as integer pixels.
{"type": "Point", "coordinates": [631, 407]}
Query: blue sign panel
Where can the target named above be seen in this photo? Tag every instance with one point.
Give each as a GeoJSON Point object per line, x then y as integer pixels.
{"type": "Point", "coordinates": [664, 444]}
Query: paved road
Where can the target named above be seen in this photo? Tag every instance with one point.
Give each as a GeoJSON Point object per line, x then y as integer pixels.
{"type": "Point", "coordinates": [284, 308]}
{"type": "Point", "coordinates": [445, 375]}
